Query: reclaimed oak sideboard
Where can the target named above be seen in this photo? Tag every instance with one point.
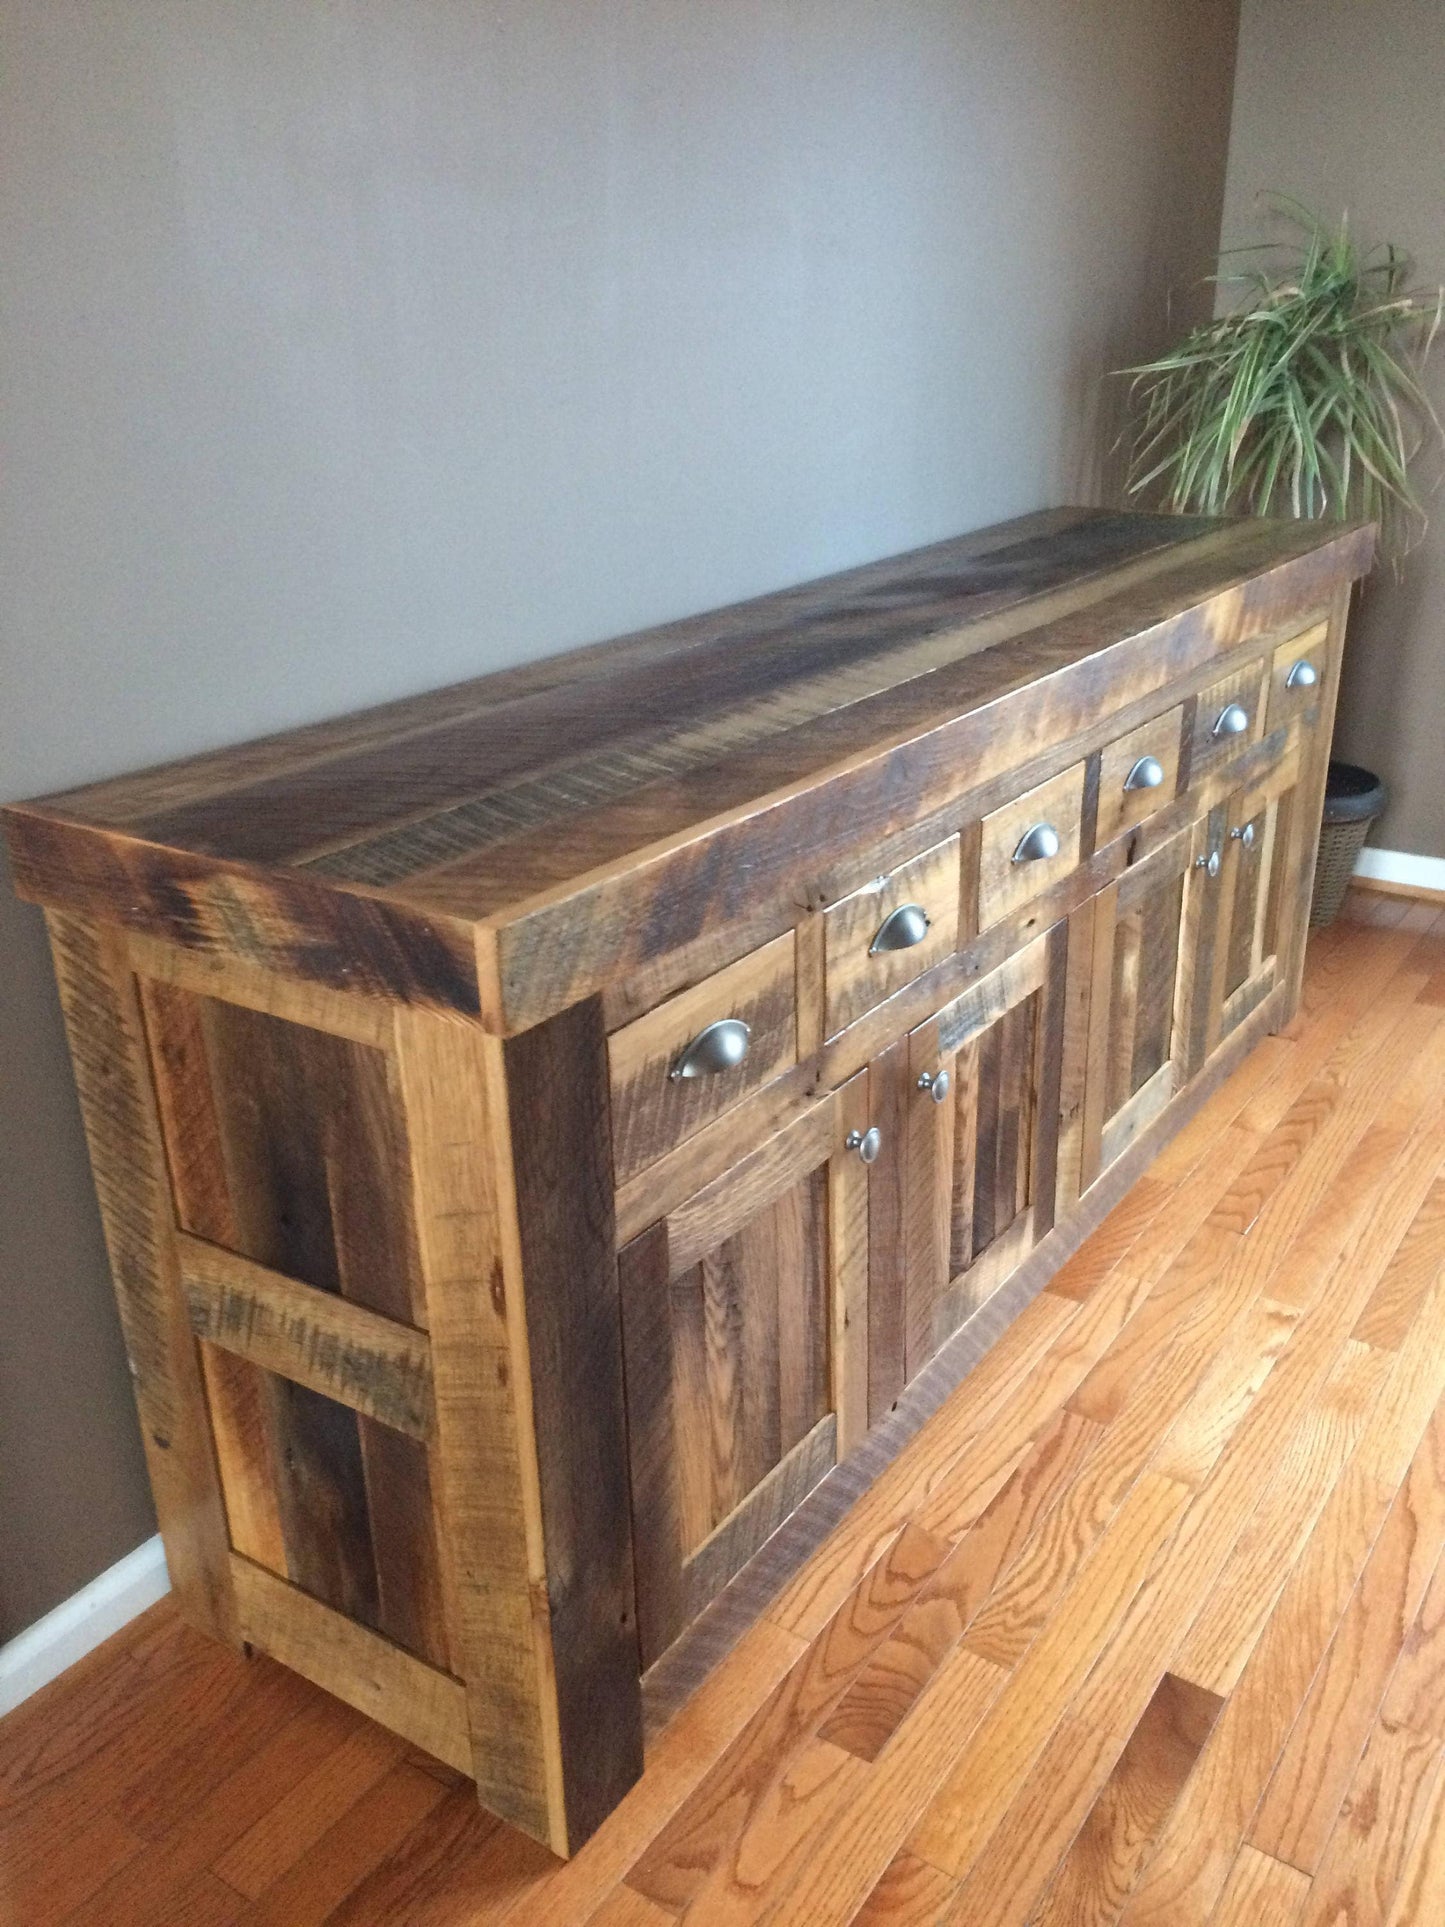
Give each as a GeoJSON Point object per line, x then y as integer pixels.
{"type": "Point", "coordinates": [557, 1137]}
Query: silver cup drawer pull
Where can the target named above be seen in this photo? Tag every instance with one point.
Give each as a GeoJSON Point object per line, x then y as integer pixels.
{"type": "Point", "coordinates": [935, 1084]}
{"type": "Point", "coordinates": [1232, 720]}
{"type": "Point", "coordinates": [866, 1143]}
{"type": "Point", "coordinates": [901, 929]}
{"type": "Point", "coordinates": [721, 1047]}
{"type": "Point", "coordinates": [1037, 844]}
{"type": "Point", "coordinates": [1147, 774]}
{"type": "Point", "coordinates": [1302, 675]}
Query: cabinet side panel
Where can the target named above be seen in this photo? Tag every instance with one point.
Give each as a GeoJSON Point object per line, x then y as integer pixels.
{"type": "Point", "coordinates": [107, 1046]}
{"type": "Point", "coordinates": [557, 1100]}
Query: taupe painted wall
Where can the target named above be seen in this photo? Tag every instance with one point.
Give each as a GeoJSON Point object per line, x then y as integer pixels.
{"type": "Point", "coordinates": [354, 345]}
{"type": "Point", "coordinates": [1342, 104]}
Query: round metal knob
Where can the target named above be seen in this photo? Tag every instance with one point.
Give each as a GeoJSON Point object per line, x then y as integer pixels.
{"type": "Point", "coordinates": [1040, 841]}
{"type": "Point", "coordinates": [1244, 836]}
{"type": "Point", "coordinates": [1209, 864]}
{"type": "Point", "coordinates": [1147, 774]}
{"type": "Point", "coordinates": [866, 1143]}
{"type": "Point", "coordinates": [936, 1084]}
{"type": "Point", "coordinates": [1302, 675]}
{"type": "Point", "coordinates": [721, 1047]}
{"type": "Point", "coordinates": [1232, 720]}
{"type": "Point", "coordinates": [901, 929]}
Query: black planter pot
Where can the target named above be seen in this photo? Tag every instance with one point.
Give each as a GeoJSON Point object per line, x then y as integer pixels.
{"type": "Point", "coordinates": [1354, 797]}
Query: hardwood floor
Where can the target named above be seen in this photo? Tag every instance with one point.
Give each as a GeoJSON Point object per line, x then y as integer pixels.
{"type": "Point", "coordinates": [1147, 1625]}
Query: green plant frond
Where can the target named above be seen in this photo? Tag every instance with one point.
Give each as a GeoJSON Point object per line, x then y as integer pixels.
{"type": "Point", "coordinates": [1307, 394]}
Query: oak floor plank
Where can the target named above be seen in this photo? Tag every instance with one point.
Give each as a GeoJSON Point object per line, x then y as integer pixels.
{"type": "Point", "coordinates": [874, 1706]}
{"type": "Point", "coordinates": [846, 1864]}
{"type": "Point", "coordinates": [677, 1864]}
{"type": "Point", "coordinates": [1416, 1695]}
{"type": "Point", "coordinates": [457, 1866]}
{"type": "Point", "coordinates": [288, 1830]}
{"type": "Point", "coordinates": [910, 1893]}
{"type": "Point", "coordinates": [1260, 1890]}
{"type": "Point", "coordinates": [1313, 1773]}
{"type": "Point", "coordinates": [1183, 1880]}
{"type": "Point", "coordinates": [1419, 1899]}
{"type": "Point", "coordinates": [1389, 1797]}
{"type": "Point", "coordinates": [992, 1767]}
{"type": "Point", "coordinates": [202, 1833]}
{"type": "Point", "coordinates": [313, 1887]}
{"type": "Point", "coordinates": [1098, 1870]}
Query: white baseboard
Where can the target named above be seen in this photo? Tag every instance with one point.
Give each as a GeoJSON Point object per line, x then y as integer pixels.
{"type": "Point", "coordinates": [1401, 867]}
{"type": "Point", "coordinates": [78, 1624]}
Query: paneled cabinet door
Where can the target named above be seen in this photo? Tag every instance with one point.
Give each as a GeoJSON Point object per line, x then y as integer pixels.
{"type": "Point", "coordinates": [1243, 878]}
{"type": "Point", "coordinates": [983, 1140]}
{"type": "Point", "coordinates": [744, 1328]}
{"type": "Point", "coordinates": [1138, 1002]}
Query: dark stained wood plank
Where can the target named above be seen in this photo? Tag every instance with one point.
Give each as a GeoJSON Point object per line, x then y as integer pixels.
{"type": "Point", "coordinates": [557, 1107]}
{"type": "Point", "coordinates": [888, 1095]}
{"type": "Point", "coordinates": [275, 919]}
{"type": "Point", "coordinates": [317, 1338]}
{"type": "Point", "coordinates": [987, 1217]}
{"type": "Point", "coordinates": [643, 1279]}
{"type": "Point", "coordinates": [1048, 1081]}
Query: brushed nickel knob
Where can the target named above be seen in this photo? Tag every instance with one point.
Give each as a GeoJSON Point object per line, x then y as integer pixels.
{"type": "Point", "coordinates": [1244, 836]}
{"type": "Point", "coordinates": [1147, 774]}
{"type": "Point", "coordinates": [901, 929]}
{"type": "Point", "coordinates": [936, 1084]}
{"type": "Point", "coordinates": [1039, 842]}
{"type": "Point", "coordinates": [1302, 675]}
{"type": "Point", "coordinates": [1209, 864]}
{"type": "Point", "coordinates": [866, 1143]}
{"type": "Point", "coordinates": [1232, 720]}
{"type": "Point", "coordinates": [721, 1047]}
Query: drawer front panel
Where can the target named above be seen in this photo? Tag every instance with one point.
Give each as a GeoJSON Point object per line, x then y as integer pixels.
{"type": "Point", "coordinates": [654, 1107]}
{"type": "Point", "coordinates": [1138, 774]}
{"type": "Point", "coordinates": [1297, 674]}
{"type": "Point", "coordinates": [1008, 875]}
{"type": "Point", "coordinates": [1239, 695]}
{"type": "Point", "coordinates": [865, 957]}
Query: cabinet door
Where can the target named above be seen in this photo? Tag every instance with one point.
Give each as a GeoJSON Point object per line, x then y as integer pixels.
{"type": "Point", "coordinates": [744, 1323]}
{"type": "Point", "coordinates": [983, 1138]}
{"type": "Point", "coordinates": [1138, 1029]}
{"type": "Point", "coordinates": [1245, 865]}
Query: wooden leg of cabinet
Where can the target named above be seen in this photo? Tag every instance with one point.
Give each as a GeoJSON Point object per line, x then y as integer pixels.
{"type": "Point", "coordinates": [108, 1048]}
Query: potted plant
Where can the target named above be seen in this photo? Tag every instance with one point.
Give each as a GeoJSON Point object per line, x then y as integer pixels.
{"type": "Point", "coordinates": [1304, 398]}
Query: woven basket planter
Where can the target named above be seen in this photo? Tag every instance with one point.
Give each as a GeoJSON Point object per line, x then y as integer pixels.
{"type": "Point", "coordinates": [1354, 797]}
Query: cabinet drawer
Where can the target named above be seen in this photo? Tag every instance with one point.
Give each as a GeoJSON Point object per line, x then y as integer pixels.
{"type": "Point", "coordinates": [1009, 870]}
{"type": "Point", "coordinates": [1138, 774]}
{"type": "Point", "coordinates": [1230, 716]}
{"type": "Point", "coordinates": [659, 1095]}
{"type": "Point", "coordinates": [872, 945]}
{"type": "Point", "coordinates": [1297, 674]}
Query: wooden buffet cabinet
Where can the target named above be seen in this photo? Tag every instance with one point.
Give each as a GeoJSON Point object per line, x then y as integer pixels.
{"type": "Point", "coordinates": [558, 1136]}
